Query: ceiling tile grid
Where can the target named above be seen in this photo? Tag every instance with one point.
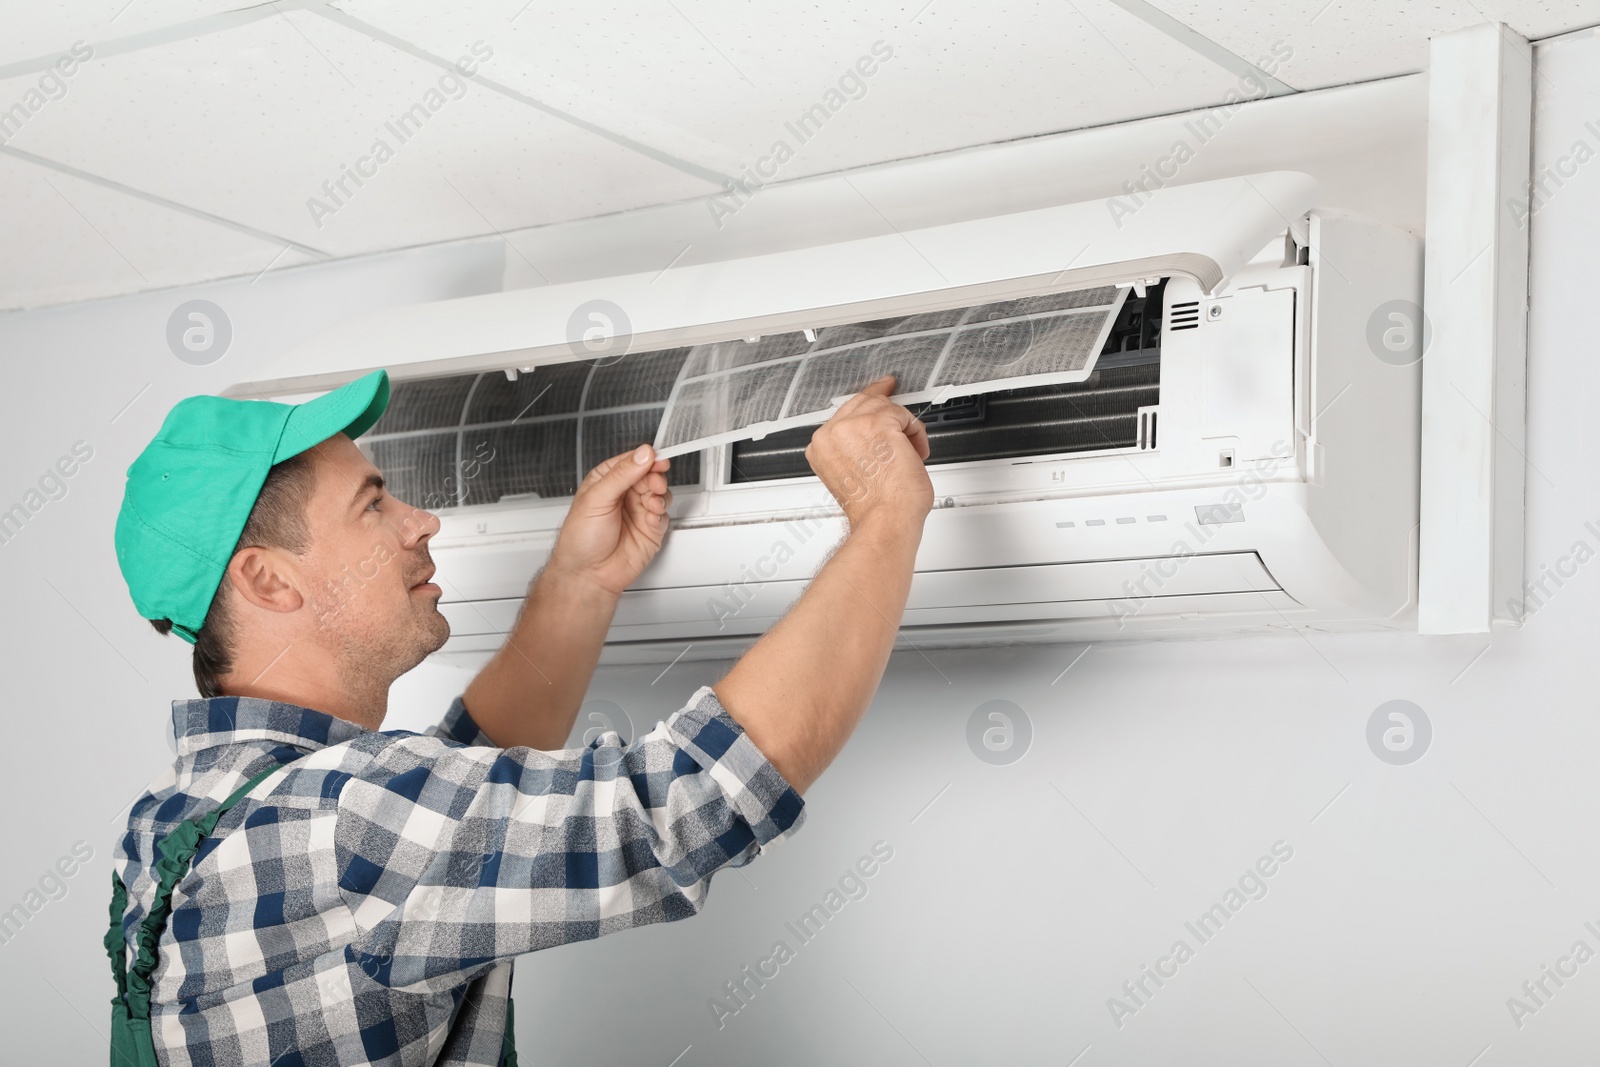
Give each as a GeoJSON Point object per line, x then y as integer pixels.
{"type": "Point", "coordinates": [201, 135]}
{"type": "Point", "coordinates": [67, 239]}
{"type": "Point", "coordinates": [266, 123]}
{"type": "Point", "coordinates": [860, 85]}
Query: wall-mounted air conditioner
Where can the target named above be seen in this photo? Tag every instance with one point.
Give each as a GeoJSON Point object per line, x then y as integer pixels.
{"type": "Point", "coordinates": [1156, 416]}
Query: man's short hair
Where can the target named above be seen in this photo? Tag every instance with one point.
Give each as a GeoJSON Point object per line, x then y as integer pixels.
{"type": "Point", "coordinates": [278, 520]}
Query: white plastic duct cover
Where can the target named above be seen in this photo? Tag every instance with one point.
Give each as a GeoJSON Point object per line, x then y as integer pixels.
{"type": "Point", "coordinates": [735, 390]}
{"type": "Point", "coordinates": [1205, 231]}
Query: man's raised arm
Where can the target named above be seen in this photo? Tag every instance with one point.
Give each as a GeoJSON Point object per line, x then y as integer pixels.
{"type": "Point", "coordinates": [529, 693]}
{"type": "Point", "coordinates": [804, 686]}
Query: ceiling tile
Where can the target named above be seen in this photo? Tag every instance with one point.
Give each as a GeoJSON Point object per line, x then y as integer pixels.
{"type": "Point", "coordinates": [1334, 42]}
{"type": "Point", "coordinates": [218, 133]}
{"type": "Point", "coordinates": [723, 83]}
{"type": "Point", "coordinates": [67, 239]}
{"type": "Point", "coordinates": [258, 124]}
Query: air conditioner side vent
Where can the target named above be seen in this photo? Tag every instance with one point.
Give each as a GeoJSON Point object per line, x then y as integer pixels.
{"type": "Point", "coordinates": [1185, 316]}
{"type": "Point", "coordinates": [1146, 440]}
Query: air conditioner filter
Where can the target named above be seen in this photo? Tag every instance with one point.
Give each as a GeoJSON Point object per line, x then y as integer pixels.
{"type": "Point", "coordinates": [746, 389]}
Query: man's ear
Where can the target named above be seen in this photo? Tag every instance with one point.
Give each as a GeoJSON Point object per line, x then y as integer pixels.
{"type": "Point", "coordinates": [265, 578]}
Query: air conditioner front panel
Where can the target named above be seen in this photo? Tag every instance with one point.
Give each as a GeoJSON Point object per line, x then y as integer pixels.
{"type": "Point", "coordinates": [1041, 591]}
{"type": "Point", "coordinates": [1098, 580]}
{"type": "Point", "coordinates": [1176, 617]}
{"type": "Point", "coordinates": [1187, 616]}
{"type": "Point", "coordinates": [1007, 535]}
{"type": "Point", "coordinates": [1205, 231]}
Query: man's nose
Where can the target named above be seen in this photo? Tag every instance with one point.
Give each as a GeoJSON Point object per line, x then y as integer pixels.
{"type": "Point", "coordinates": [418, 526]}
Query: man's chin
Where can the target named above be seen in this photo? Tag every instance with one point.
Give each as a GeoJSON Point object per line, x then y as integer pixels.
{"type": "Point", "coordinates": [438, 626]}
{"type": "Point", "coordinates": [433, 630]}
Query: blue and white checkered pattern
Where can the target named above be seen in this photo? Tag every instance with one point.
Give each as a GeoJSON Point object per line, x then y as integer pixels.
{"type": "Point", "coordinates": [363, 905]}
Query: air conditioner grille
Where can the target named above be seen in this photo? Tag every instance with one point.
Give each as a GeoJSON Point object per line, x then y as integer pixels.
{"type": "Point", "coordinates": [645, 378]}
{"type": "Point", "coordinates": [426, 404]}
{"type": "Point", "coordinates": [538, 457]}
{"type": "Point", "coordinates": [1185, 316]}
{"type": "Point", "coordinates": [478, 438]}
{"type": "Point", "coordinates": [555, 390]}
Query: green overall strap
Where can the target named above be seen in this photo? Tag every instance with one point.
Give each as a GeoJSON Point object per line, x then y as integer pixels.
{"type": "Point", "coordinates": [132, 1043]}
{"type": "Point", "coordinates": [508, 1043]}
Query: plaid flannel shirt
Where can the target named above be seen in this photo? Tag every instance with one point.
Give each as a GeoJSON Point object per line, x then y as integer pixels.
{"type": "Point", "coordinates": [363, 905]}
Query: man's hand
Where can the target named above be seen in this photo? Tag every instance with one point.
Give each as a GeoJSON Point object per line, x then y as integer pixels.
{"type": "Point", "coordinates": [616, 523]}
{"type": "Point", "coordinates": [870, 455]}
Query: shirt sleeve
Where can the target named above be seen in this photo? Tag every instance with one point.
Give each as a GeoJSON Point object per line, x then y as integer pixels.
{"type": "Point", "coordinates": [460, 727]}
{"type": "Point", "coordinates": [453, 855]}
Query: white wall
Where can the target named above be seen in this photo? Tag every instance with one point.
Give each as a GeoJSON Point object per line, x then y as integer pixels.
{"type": "Point", "coordinates": [1025, 895]}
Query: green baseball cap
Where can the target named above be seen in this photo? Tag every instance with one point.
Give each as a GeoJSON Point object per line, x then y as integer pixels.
{"type": "Point", "coordinates": [192, 488]}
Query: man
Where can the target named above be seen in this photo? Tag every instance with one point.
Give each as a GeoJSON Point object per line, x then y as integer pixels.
{"type": "Point", "coordinates": [362, 894]}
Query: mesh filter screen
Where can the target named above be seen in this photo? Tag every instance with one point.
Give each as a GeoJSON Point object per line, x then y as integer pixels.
{"type": "Point", "coordinates": [480, 438]}
{"type": "Point", "coordinates": [740, 390]}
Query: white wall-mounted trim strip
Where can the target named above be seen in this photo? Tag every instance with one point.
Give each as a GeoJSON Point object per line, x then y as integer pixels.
{"type": "Point", "coordinates": [1475, 290]}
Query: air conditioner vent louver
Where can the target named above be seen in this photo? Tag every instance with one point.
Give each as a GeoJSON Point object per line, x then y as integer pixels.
{"type": "Point", "coordinates": [1185, 316]}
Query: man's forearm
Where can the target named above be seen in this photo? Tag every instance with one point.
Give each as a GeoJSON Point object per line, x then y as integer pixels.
{"type": "Point", "coordinates": [529, 693]}
{"type": "Point", "coordinates": [804, 686]}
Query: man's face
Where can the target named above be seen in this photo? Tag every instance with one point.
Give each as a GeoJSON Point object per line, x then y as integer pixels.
{"type": "Point", "coordinates": [370, 599]}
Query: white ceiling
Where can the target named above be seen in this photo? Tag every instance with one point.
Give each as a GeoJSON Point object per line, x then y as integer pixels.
{"type": "Point", "coordinates": [189, 146]}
